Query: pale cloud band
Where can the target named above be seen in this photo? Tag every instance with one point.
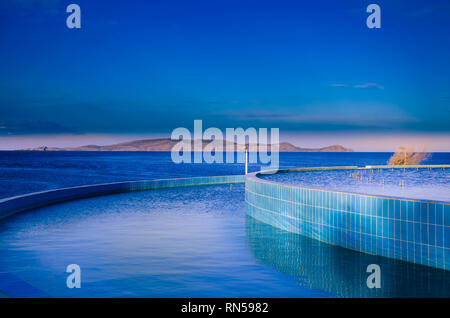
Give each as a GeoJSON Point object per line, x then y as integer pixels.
{"type": "Point", "coordinates": [365, 85]}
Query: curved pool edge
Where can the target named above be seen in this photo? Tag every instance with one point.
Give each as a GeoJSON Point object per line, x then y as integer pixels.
{"type": "Point", "coordinates": [256, 174]}
{"type": "Point", "coordinates": [13, 205]}
{"type": "Point", "coordinates": [416, 231]}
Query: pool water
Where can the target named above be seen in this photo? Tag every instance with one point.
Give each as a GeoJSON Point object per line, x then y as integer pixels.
{"type": "Point", "coordinates": [422, 184]}
{"type": "Point", "coordinates": [189, 242]}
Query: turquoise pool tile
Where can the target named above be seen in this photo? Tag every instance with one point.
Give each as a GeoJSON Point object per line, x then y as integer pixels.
{"type": "Point", "coordinates": [397, 229]}
{"type": "Point", "coordinates": [397, 209]}
{"type": "Point", "coordinates": [385, 207]}
{"type": "Point", "coordinates": [439, 236]}
{"type": "Point", "coordinates": [416, 211]}
{"type": "Point", "coordinates": [432, 213]}
{"type": "Point", "coordinates": [335, 215]}
{"type": "Point", "coordinates": [424, 233]}
{"type": "Point", "coordinates": [432, 234]}
{"type": "Point", "coordinates": [440, 258]}
{"type": "Point", "coordinates": [403, 209]}
{"type": "Point", "coordinates": [439, 214]}
{"type": "Point", "coordinates": [410, 226]}
{"type": "Point", "coordinates": [410, 211]}
{"type": "Point", "coordinates": [446, 259]}
{"type": "Point", "coordinates": [447, 237]}
{"type": "Point", "coordinates": [424, 255]}
{"type": "Point", "coordinates": [417, 233]}
{"type": "Point", "coordinates": [447, 214]}
{"type": "Point", "coordinates": [417, 252]}
{"type": "Point", "coordinates": [403, 230]}
{"type": "Point", "coordinates": [385, 228]}
{"type": "Point", "coordinates": [424, 212]}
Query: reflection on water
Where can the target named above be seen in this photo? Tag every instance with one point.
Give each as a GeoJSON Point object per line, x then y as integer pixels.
{"type": "Point", "coordinates": [340, 271]}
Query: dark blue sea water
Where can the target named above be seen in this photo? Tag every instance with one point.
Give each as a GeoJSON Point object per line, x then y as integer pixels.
{"type": "Point", "coordinates": [24, 172]}
{"type": "Point", "coordinates": [186, 242]}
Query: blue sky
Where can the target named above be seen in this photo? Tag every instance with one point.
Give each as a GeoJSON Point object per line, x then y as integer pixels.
{"type": "Point", "coordinates": [146, 67]}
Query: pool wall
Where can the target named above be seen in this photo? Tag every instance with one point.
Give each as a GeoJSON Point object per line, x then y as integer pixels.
{"type": "Point", "coordinates": [405, 229]}
{"type": "Point", "coordinates": [13, 205]}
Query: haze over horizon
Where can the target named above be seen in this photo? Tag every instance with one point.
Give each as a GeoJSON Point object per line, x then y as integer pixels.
{"type": "Point", "coordinates": [360, 143]}
{"type": "Point", "coordinates": [312, 69]}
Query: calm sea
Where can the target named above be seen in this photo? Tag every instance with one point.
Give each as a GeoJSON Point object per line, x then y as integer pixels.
{"type": "Point", "coordinates": [25, 172]}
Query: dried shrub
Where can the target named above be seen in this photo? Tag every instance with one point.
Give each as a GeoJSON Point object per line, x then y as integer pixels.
{"type": "Point", "coordinates": [407, 156]}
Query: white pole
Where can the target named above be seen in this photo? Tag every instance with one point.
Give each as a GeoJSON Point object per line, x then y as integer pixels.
{"type": "Point", "coordinates": [246, 159]}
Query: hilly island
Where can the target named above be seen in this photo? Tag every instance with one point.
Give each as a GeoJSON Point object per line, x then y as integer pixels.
{"type": "Point", "coordinates": [166, 144]}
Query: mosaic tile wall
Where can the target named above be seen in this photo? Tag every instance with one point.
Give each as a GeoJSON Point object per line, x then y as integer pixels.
{"type": "Point", "coordinates": [409, 230]}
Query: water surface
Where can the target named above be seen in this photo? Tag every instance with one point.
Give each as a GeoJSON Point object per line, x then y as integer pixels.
{"type": "Point", "coordinates": [424, 184]}
{"type": "Point", "coordinates": [187, 242]}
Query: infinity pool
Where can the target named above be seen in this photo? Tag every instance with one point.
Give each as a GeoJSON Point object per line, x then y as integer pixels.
{"type": "Point", "coordinates": [187, 242]}
{"type": "Point", "coordinates": [425, 184]}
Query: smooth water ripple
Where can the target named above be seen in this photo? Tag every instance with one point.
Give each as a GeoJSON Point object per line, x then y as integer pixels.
{"type": "Point", "coordinates": [187, 242]}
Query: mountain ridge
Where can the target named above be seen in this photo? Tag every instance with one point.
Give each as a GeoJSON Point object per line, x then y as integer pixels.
{"type": "Point", "coordinates": [166, 144]}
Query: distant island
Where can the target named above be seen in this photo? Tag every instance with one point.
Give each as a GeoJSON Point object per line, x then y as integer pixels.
{"type": "Point", "coordinates": [166, 144]}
